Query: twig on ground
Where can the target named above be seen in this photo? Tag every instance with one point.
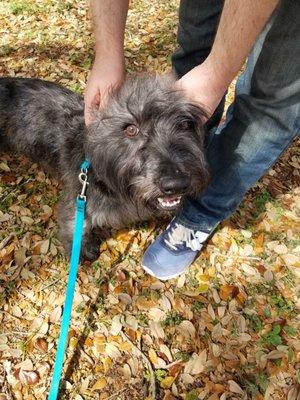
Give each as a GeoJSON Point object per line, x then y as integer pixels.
{"type": "Point", "coordinates": [86, 356]}
{"type": "Point", "coordinates": [14, 333]}
{"type": "Point", "coordinates": [6, 240]}
{"type": "Point", "coordinates": [50, 284]}
{"type": "Point", "coordinates": [239, 256]}
{"type": "Point", "coordinates": [116, 394]}
{"type": "Point", "coordinates": [152, 388]}
{"type": "Point", "coordinates": [13, 192]}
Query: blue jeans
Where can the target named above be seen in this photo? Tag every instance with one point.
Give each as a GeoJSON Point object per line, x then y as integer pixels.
{"type": "Point", "coordinates": [265, 115]}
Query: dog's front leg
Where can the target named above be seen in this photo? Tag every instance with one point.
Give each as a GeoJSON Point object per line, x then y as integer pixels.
{"type": "Point", "coordinates": [66, 220]}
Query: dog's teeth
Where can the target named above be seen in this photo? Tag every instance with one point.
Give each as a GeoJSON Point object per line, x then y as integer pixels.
{"type": "Point", "coordinates": [169, 203]}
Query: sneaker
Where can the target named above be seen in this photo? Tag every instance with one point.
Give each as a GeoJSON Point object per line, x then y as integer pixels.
{"type": "Point", "coordinates": [173, 251]}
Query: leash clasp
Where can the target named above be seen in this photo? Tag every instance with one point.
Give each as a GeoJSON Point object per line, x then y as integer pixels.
{"type": "Point", "coordinates": [83, 179]}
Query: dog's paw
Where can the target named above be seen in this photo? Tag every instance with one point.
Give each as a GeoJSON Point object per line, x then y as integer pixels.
{"type": "Point", "coordinates": [90, 251]}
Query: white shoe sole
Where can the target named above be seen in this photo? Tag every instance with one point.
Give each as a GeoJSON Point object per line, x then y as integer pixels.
{"type": "Point", "coordinates": [165, 278]}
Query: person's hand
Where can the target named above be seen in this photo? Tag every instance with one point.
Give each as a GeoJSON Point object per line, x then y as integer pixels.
{"type": "Point", "coordinates": [202, 86]}
{"type": "Point", "coordinates": [103, 77]}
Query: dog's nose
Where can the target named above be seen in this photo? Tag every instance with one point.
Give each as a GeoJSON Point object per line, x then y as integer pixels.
{"type": "Point", "coordinates": [174, 185]}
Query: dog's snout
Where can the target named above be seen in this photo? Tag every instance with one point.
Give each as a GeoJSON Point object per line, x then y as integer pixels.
{"type": "Point", "coordinates": [174, 184]}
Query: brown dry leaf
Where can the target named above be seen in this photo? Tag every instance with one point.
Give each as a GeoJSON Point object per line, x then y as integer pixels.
{"type": "Point", "coordinates": [156, 314]}
{"type": "Point", "coordinates": [280, 249]}
{"type": "Point", "coordinates": [166, 351]}
{"type": "Point", "coordinates": [268, 275]}
{"type": "Point", "coordinates": [181, 281]}
{"type": "Point", "coordinates": [44, 246]}
{"type": "Point", "coordinates": [196, 364]}
{"type": "Point", "coordinates": [55, 315]}
{"type": "Point", "coordinates": [294, 393]}
{"type": "Point", "coordinates": [187, 379]}
{"type": "Point", "coordinates": [4, 167]}
{"type": "Point", "coordinates": [43, 368]}
{"type": "Point", "coordinates": [187, 329]}
{"type": "Point", "coordinates": [27, 220]}
{"type": "Point", "coordinates": [20, 256]}
{"type": "Point", "coordinates": [27, 377]}
{"type": "Point", "coordinates": [228, 291]}
{"type": "Point", "coordinates": [234, 387]}
{"type": "Point", "coordinates": [25, 365]}
{"type": "Point", "coordinates": [40, 325]}
{"type": "Point", "coordinates": [112, 351]}
{"type": "Point", "coordinates": [126, 371]}
{"type": "Point", "coordinates": [175, 368]}
{"type": "Point", "coordinates": [16, 311]}
{"type": "Point", "coordinates": [116, 325]}
{"type": "Point", "coordinates": [156, 330]}
{"type": "Point", "coordinates": [41, 344]}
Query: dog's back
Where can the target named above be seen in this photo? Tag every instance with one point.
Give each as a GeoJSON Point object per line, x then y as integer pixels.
{"type": "Point", "coordinates": [38, 117]}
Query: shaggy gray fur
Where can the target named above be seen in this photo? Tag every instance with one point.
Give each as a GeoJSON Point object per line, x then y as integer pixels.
{"type": "Point", "coordinates": [161, 157]}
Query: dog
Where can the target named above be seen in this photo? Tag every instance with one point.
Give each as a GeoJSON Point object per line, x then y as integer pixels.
{"type": "Point", "coordinates": [146, 149]}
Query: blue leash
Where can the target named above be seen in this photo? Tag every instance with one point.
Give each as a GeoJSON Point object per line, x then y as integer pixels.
{"type": "Point", "coordinates": [76, 247]}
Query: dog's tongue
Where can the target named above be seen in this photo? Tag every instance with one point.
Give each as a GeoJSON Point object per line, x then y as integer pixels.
{"type": "Point", "coordinates": [170, 198]}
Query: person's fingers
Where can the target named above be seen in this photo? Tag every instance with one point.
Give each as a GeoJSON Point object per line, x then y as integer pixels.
{"type": "Point", "coordinates": [88, 110]}
{"type": "Point", "coordinates": [95, 103]}
{"type": "Point", "coordinates": [91, 100]}
{"type": "Point", "coordinates": [87, 116]}
{"type": "Point", "coordinates": [99, 84]}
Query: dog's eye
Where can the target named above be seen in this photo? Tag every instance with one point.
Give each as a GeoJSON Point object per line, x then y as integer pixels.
{"type": "Point", "coordinates": [185, 125]}
{"type": "Point", "coordinates": [131, 130]}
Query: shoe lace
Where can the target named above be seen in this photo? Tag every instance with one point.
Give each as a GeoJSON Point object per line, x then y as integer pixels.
{"type": "Point", "coordinates": [182, 235]}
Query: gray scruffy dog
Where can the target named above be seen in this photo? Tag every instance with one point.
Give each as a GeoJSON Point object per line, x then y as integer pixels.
{"type": "Point", "coordinates": [146, 149]}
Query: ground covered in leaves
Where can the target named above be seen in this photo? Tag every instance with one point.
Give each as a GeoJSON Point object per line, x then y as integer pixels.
{"type": "Point", "coordinates": [227, 329]}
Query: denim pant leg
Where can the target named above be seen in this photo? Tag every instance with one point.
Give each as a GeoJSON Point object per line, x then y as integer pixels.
{"type": "Point", "coordinates": [265, 117]}
{"type": "Point", "coordinates": [198, 22]}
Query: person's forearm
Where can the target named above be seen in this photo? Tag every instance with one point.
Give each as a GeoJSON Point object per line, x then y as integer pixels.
{"type": "Point", "coordinates": [240, 25]}
{"type": "Point", "coordinates": [109, 18]}
{"type": "Point", "coordinates": [108, 71]}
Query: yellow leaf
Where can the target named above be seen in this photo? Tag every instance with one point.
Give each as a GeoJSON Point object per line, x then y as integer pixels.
{"type": "Point", "coordinates": [99, 339]}
{"type": "Point", "coordinates": [202, 277]}
{"type": "Point", "coordinates": [259, 240]}
{"type": "Point", "coordinates": [89, 341]}
{"type": "Point", "coordinates": [107, 363]}
{"type": "Point", "coordinates": [73, 342]}
{"type": "Point", "coordinates": [100, 348]}
{"type": "Point", "coordinates": [100, 384]}
{"type": "Point", "coordinates": [152, 356]}
{"type": "Point", "coordinates": [167, 382]}
{"type": "Point", "coordinates": [203, 287]}
{"type": "Point", "coordinates": [125, 346]}
{"type": "Point", "coordinates": [211, 271]}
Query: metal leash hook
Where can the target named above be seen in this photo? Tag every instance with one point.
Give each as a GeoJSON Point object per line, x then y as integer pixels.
{"type": "Point", "coordinates": [83, 179]}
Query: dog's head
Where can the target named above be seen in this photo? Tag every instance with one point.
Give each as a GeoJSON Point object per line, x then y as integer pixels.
{"type": "Point", "coordinates": [148, 144]}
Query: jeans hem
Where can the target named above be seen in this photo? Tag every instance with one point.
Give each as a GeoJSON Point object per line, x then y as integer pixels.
{"type": "Point", "coordinates": [196, 227]}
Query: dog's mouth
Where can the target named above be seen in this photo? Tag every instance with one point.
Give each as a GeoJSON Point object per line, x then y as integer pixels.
{"type": "Point", "coordinates": [169, 203]}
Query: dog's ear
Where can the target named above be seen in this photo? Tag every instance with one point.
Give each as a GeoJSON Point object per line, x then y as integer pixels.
{"type": "Point", "coordinates": [193, 110]}
{"type": "Point", "coordinates": [197, 112]}
{"type": "Point", "coordinates": [196, 118]}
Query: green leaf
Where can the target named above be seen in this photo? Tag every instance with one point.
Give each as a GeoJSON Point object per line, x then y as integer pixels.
{"type": "Point", "coordinates": [276, 329]}
{"type": "Point", "coordinates": [192, 395]}
{"type": "Point", "coordinates": [291, 355]}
